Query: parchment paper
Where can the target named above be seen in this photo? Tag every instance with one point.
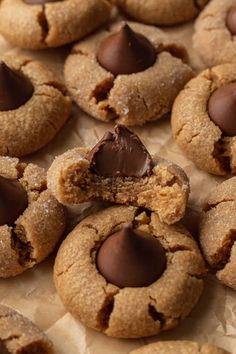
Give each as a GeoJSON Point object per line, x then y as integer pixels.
{"type": "Point", "coordinates": [33, 293]}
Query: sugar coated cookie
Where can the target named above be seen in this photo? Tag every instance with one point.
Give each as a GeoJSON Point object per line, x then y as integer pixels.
{"type": "Point", "coordinates": [18, 335]}
{"type": "Point", "coordinates": [161, 12]}
{"type": "Point", "coordinates": [33, 105]}
{"type": "Point", "coordinates": [123, 272]}
{"type": "Point", "coordinates": [31, 219]}
{"type": "Point", "coordinates": [217, 231]}
{"type": "Point", "coordinates": [129, 73]}
{"type": "Point", "coordinates": [37, 24]}
{"type": "Point", "coordinates": [203, 120]}
{"type": "Point", "coordinates": [179, 347]}
{"type": "Point", "coordinates": [215, 31]}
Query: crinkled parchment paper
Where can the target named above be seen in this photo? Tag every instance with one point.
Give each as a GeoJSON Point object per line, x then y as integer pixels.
{"type": "Point", "coordinates": [33, 293]}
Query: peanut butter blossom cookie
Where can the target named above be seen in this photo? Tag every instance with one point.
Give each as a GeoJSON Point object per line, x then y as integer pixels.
{"type": "Point", "coordinates": [204, 120]}
{"type": "Point", "coordinates": [18, 335]}
{"type": "Point", "coordinates": [33, 105]}
{"type": "Point", "coordinates": [215, 32]}
{"type": "Point", "coordinates": [123, 272]}
{"type": "Point", "coordinates": [179, 347]}
{"type": "Point", "coordinates": [119, 169]}
{"type": "Point", "coordinates": [37, 24]}
{"type": "Point", "coordinates": [217, 232]}
{"type": "Point", "coordinates": [130, 73]}
{"type": "Point", "coordinates": [161, 12]}
{"type": "Point", "coordinates": [31, 219]}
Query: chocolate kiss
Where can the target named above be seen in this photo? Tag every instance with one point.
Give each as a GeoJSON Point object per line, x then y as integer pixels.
{"type": "Point", "coordinates": [131, 258]}
{"type": "Point", "coordinates": [39, 2]}
{"type": "Point", "coordinates": [15, 89]}
{"type": "Point", "coordinates": [13, 200]}
{"type": "Point", "coordinates": [231, 20]}
{"type": "Point", "coordinates": [120, 154]}
{"type": "Point", "coordinates": [126, 52]}
{"type": "Point", "coordinates": [222, 108]}
{"type": "Point", "coordinates": [3, 349]}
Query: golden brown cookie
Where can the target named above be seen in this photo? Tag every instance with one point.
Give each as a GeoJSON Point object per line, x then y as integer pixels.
{"type": "Point", "coordinates": [161, 12]}
{"type": "Point", "coordinates": [179, 347]}
{"type": "Point", "coordinates": [130, 99]}
{"type": "Point", "coordinates": [210, 146]}
{"type": "Point", "coordinates": [18, 335]}
{"type": "Point", "coordinates": [162, 188]}
{"type": "Point", "coordinates": [213, 38]}
{"type": "Point", "coordinates": [128, 312]}
{"type": "Point", "coordinates": [34, 123]}
{"type": "Point", "coordinates": [217, 231]}
{"type": "Point", "coordinates": [30, 232]}
{"type": "Point", "coordinates": [43, 24]}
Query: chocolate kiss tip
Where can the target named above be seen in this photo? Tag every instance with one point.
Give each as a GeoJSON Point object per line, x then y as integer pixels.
{"type": "Point", "coordinates": [13, 200]}
{"type": "Point", "coordinates": [15, 88]}
{"type": "Point", "coordinates": [126, 52]}
{"type": "Point", "coordinates": [131, 258]}
{"type": "Point", "coordinates": [120, 154]}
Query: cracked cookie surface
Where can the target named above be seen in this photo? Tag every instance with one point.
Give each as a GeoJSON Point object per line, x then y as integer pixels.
{"type": "Point", "coordinates": [212, 39]}
{"type": "Point", "coordinates": [218, 231]}
{"type": "Point", "coordinates": [179, 347]}
{"type": "Point", "coordinates": [52, 24]}
{"type": "Point", "coordinates": [37, 230]}
{"type": "Point", "coordinates": [18, 335]}
{"type": "Point", "coordinates": [111, 310]}
{"type": "Point", "coordinates": [199, 137]}
{"type": "Point", "coordinates": [32, 125]}
{"type": "Point", "coordinates": [127, 99]}
{"type": "Point", "coordinates": [161, 12]}
{"type": "Point", "coordinates": [71, 182]}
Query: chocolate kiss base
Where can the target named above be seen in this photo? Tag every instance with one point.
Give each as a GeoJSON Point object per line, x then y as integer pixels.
{"type": "Point", "coordinates": [222, 108]}
{"type": "Point", "coordinates": [13, 200]}
{"type": "Point", "coordinates": [231, 20]}
{"type": "Point", "coordinates": [15, 88]}
{"type": "Point", "coordinates": [126, 52]}
{"type": "Point", "coordinates": [131, 258]}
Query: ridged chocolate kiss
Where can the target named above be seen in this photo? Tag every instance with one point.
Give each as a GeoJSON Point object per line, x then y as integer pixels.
{"type": "Point", "coordinates": [15, 88]}
{"type": "Point", "coordinates": [13, 200]}
{"type": "Point", "coordinates": [126, 52]}
{"type": "Point", "coordinates": [231, 20]}
{"type": "Point", "coordinates": [120, 154]}
{"type": "Point", "coordinates": [222, 108]}
{"type": "Point", "coordinates": [40, 2]}
{"type": "Point", "coordinates": [131, 258]}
